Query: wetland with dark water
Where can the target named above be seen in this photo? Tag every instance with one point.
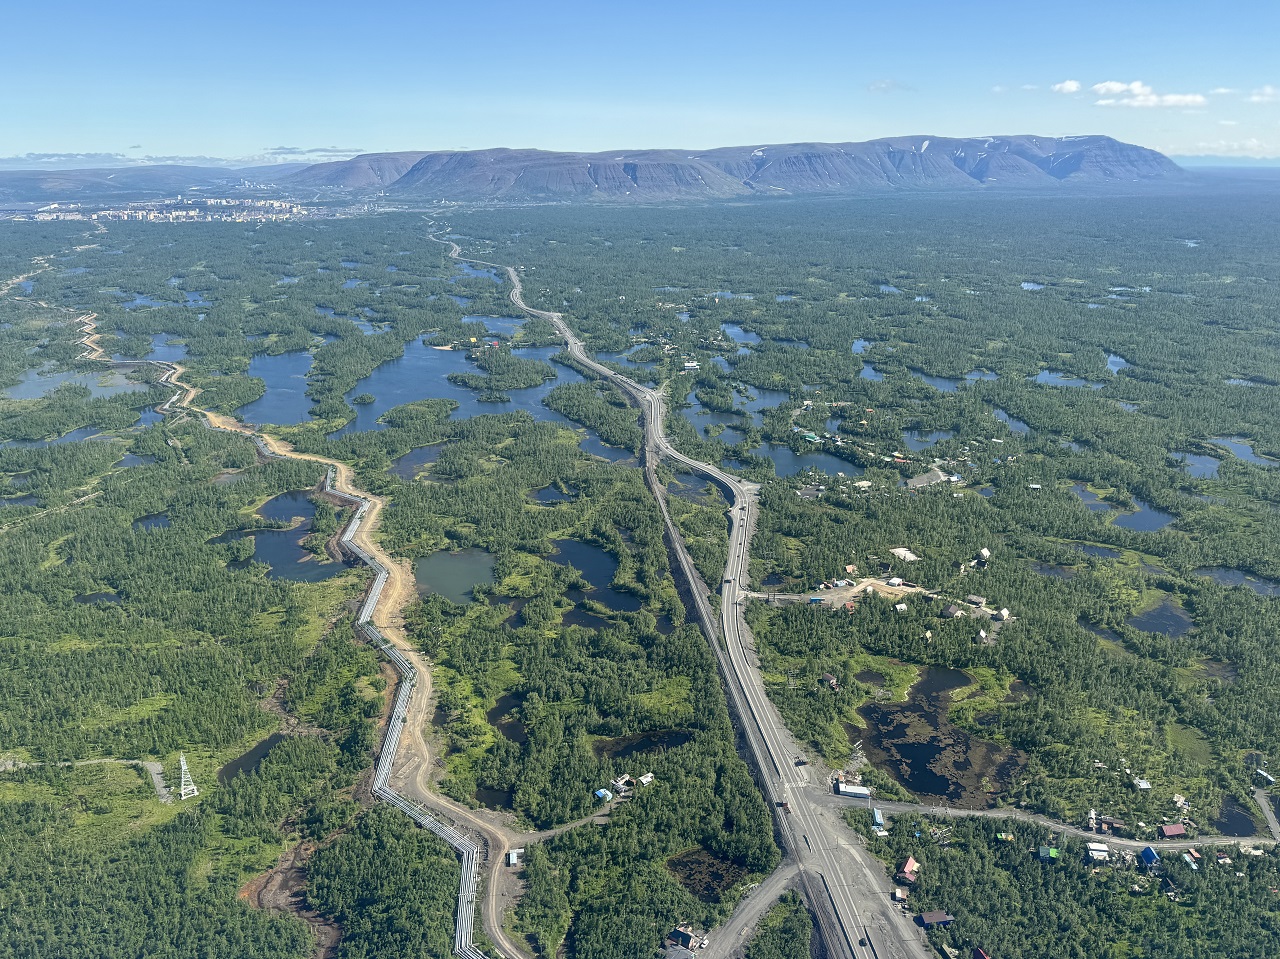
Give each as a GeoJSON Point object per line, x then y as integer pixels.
{"type": "Point", "coordinates": [915, 744]}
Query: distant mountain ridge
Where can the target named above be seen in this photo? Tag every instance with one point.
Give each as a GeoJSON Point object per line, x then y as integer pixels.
{"type": "Point", "coordinates": [919, 162]}
{"type": "Point", "coordinates": [620, 176]}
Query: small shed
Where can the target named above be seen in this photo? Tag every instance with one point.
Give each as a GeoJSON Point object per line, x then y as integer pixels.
{"type": "Point", "coordinates": [951, 611]}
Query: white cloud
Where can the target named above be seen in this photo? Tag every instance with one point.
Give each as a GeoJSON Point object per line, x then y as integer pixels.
{"type": "Point", "coordinates": [997, 89]}
{"type": "Point", "coordinates": [1030, 86]}
{"type": "Point", "coordinates": [1113, 93]}
{"type": "Point", "coordinates": [1111, 87]}
{"type": "Point", "coordinates": [1228, 123]}
{"type": "Point", "coordinates": [1265, 94]}
{"type": "Point", "coordinates": [1218, 91]}
{"type": "Point", "coordinates": [1252, 147]}
{"type": "Point", "coordinates": [1066, 86]}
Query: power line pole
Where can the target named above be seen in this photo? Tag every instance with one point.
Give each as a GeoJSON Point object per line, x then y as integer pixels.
{"type": "Point", "coordinates": [187, 786]}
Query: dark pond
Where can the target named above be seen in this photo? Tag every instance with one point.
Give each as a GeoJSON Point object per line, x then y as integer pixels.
{"type": "Point", "coordinates": [468, 270]}
{"type": "Point", "coordinates": [1090, 498]}
{"type": "Point", "coordinates": [1243, 449]}
{"type": "Point", "coordinates": [598, 567]}
{"type": "Point", "coordinates": [494, 798]}
{"type": "Point", "coordinates": [889, 288]}
{"type": "Point", "coordinates": [162, 348]}
{"type": "Point", "coordinates": [1015, 425]}
{"type": "Point", "coordinates": [915, 744]}
{"type": "Point", "coordinates": [869, 372]}
{"type": "Point", "coordinates": [8, 501]}
{"type": "Point", "coordinates": [75, 436]}
{"type": "Point", "coordinates": [727, 295]}
{"type": "Point", "coordinates": [1055, 378]}
{"type": "Point", "coordinates": [626, 746]}
{"type": "Point", "coordinates": [787, 462]}
{"type": "Point", "coordinates": [97, 599]}
{"type": "Point", "coordinates": [501, 718]}
{"type": "Point", "coordinates": [152, 521]}
{"type": "Point", "coordinates": [149, 417]}
{"type": "Point", "coordinates": [133, 459]}
{"type": "Point", "coordinates": [413, 462]}
{"type": "Point", "coordinates": [1146, 519]}
{"type": "Point", "coordinates": [1225, 576]}
{"type": "Point", "coordinates": [1168, 619]}
{"type": "Point", "coordinates": [285, 402]}
{"type": "Point", "coordinates": [869, 677]}
{"type": "Point", "coordinates": [1092, 549]}
{"type": "Point", "coordinates": [499, 325]}
{"type": "Point", "coordinates": [918, 440]}
{"type": "Point", "coordinates": [34, 384]}
{"type": "Point", "coordinates": [1234, 820]}
{"type": "Point", "coordinates": [249, 762]}
{"type": "Point", "coordinates": [614, 454]}
{"type": "Point", "coordinates": [550, 494]}
{"type": "Point", "coordinates": [949, 384]}
{"type": "Point", "coordinates": [454, 575]}
{"type": "Point", "coordinates": [1199, 465]}
{"type": "Point", "coordinates": [1054, 572]}
{"type": "Point", "coordinates": [1116, 363]}
{"type": "Point", "coordinates": [422, 373]}
{"type": "Point", "coordinates": [282, 549]}
{"type": "Point", "coordinates": [577, 616]}
{"type": "Point", "coordinates": [460, 300]}
{"type": "Point", "coordinates": [738, 334]}
{"type": "Point", "coordinates": [624, 358]}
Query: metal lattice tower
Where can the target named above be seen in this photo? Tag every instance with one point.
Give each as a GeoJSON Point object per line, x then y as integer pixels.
{"type": "Point", "coordinates": [187, 787]}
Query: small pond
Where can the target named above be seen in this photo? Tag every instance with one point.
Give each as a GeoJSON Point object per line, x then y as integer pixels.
{"type": "Point", "coordinates": [1116, 363]}
{"type": "Point", "coordinates": [415, 461]}
{"type": "Point", "coordinates": [1167, 618]}
{"type": "Point", "coordinates": [1234, 820]}
{"type": "Point", "coordinates": [1015, 425]}
{"type": "Point", "coordinates": [97, 599]}
{"type": "Point", "coordinates": [454, 575]}
{"type": "Point", "coordinates": [1200, 465]}
{"type": "Point", "coordinates": [624, 747]}
{"type": "Point", "coordinates": [152, 521]}
{"type": "Point", "coordinates": [282, 549]}
{"type": "Point", "coordinates": [598, 567]}
{"type": "Point", "coordinates": [248, 762]}
{"type": "Point", "coordinates": [1225, 576]}
{"type": "Point", "coordinates": [918, 440]}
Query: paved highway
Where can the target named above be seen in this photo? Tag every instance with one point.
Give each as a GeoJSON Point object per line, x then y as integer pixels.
{"type": "Point", "coordinates": [844, 885]}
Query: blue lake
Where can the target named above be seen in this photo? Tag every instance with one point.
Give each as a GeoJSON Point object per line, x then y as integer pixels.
{"type": "Point", "coordinates": [1243, 449]}
{"type": "Point", "coordinates": [34, 384]}
{"type": "Point", "coordinates": [1225, 576]}
{"type": "Point", "coordinates": [1028, 285]}
{"type": "Point", "coordinates": [467, 270]}
{"type": "Point", "coordinates": [285, 401]}
{"type": "Point", "coordinates": [598, 567]}
{"type": "Point", "coordinates": [860, 346]}
{"type": "Point", "coordinates": [415, 461]}
{"type": "Point", "coordinates": [282, 549]}
{"type": "Point", "coordinates": [454, 575]}
{"type": "Point", "coordinates": [1015, 425]}
{"type": "Point", "coordinates": [738, 334]}
{"type": "Point", "coordinates": [422, 374]}
{"type": "Point", "coordinates": [75, 436]}
{"type": "Point", "coordinates": [162, 349]}
{"type": "Point", "coordinates": [1199, 465]}
{"type": "Point", "coordinates": [918, 440]}
{"type": "Point", "coordinates": [1116, 363]}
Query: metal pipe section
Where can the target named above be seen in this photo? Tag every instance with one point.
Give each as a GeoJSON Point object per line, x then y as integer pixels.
{"type": "Point", "coordinates": [467, 850]}
{"type": "Point", "coordinates": [469, 853]}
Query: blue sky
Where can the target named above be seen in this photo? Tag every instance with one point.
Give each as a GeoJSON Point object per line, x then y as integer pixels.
{"type": "Point", "coordinates": [270, 80]}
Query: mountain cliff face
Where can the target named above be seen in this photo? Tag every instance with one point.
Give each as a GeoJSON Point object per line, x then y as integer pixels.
{"type": "Point", "coordinates": [919, 162]}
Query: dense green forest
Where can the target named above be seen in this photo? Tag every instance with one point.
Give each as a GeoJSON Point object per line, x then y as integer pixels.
{"type": "Point", "coordinates": [1101, 375]}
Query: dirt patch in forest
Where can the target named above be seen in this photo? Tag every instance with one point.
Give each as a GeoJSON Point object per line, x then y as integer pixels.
{"type": "Point", "coordinates": [704, 874]}
{"type": "Point", "coordinates": [284, 889]}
